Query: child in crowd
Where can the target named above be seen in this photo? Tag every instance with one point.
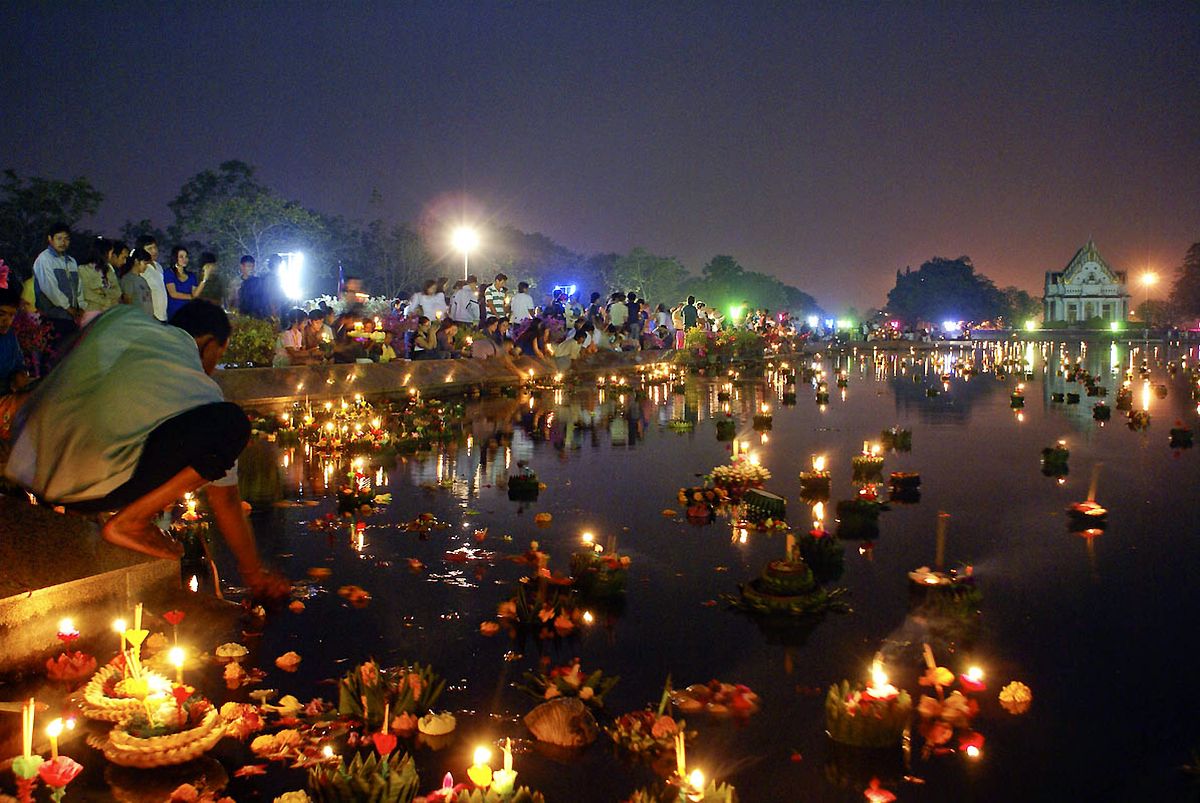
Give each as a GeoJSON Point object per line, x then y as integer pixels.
{"type": "Point", "coordinates": [134, 288]}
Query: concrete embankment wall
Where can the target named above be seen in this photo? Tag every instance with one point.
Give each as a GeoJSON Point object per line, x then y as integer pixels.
{"type": "Point", "coordinates": [267, 387]}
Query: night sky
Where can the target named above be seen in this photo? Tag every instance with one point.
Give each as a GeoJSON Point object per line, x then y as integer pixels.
{"type": "Point", "coordinates": [828, 144]}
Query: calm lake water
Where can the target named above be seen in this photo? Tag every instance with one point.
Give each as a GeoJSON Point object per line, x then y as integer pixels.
{"type": "Point", "coordinates": [1099, 628]}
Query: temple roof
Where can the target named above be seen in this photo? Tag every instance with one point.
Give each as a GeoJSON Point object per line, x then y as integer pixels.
{"type": "Point", "coordinates": [1089, 254]}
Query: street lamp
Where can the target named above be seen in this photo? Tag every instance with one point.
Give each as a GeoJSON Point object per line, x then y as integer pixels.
{"type": "Point", "coordinates": [1149, 279]}
{"type": "Point", "coordinates": [465, 239]}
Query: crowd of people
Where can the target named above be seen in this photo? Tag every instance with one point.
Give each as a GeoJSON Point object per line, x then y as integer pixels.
{"type": "Point", "coordinates": [441, 320]}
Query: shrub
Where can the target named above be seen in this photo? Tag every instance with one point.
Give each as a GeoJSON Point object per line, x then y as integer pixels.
{"type": "Point", "coordinates": [252, 341]}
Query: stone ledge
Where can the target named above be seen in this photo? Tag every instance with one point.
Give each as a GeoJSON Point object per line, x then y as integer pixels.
{"type": "Point", "coordinates": [265, 387]}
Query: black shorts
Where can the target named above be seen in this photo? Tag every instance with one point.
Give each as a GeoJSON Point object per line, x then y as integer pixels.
{"type": "Point", "coordinates": [208, 439]}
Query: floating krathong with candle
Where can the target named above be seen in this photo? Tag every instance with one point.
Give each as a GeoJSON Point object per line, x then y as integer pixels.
{"type": "Point", "coordinates": [1181, 436]}
{"type": "Point", "coordinates": [815, 483]}
{"type": "Point", "coordinates": [786, 587]}
{"type": "Point", "coordinates": [1101, 412]}
{"type": "Point", "coordinates": [788, 397]}
{"type": "Point", "coordinates": [380, 779]}
{"type": "Point", "coordinates": [1088, 514]}
{"type": "Point", "coordinates": [165, 731]}
{"type": "Point", "coordinates": [740, 475]}
{"type": "Point", "coordinates": [524, 485]}
{"type": "Point", "coordinates": [896, 439]}
{"type": "Point", "coordinates": [599, 570]}
{"type": "Point", "coordinates": [762, 507]}
{"type": "Point", "coordinates": [717, 699]}
{"type": "Point", "coordinates": [1138, 420]}
{"type": "Point", "coordinates": [1072, 398]}
{"type": "Point", "coordinates": [822, 395]}
{"type": "Point", "coordinates": [763, 418]}
{"type": "Point", "coordinates": [726, 428]}
{"type": "Point", "coordinates": [858, 518]}
{"type": "Point", "coordinates": [368, 693]}
{"type": "Point", "coordinates": [1017, 399]}
{"type": "Point", "coordinates": [111, 696]}
{"type": "Point", "coordinates": [868, 464]}
{"type": "Point", "coordinates": [1054, 460]}
{"type": "Point", "coordinates": [876, 715]}
{"type": "Point", "coordinates": [562, 721]}
{"type": "Point", "coordinates": [904, 487]}
{"type": "Point", "coordinates": [702, 501]}
{"type": "Point", "coordinates": [713, 792]}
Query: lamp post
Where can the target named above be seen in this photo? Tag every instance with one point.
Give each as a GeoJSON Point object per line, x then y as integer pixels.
{"type": "Point", "coordinates": [465, 239]}
{"type": "Point", "coordinates": [1149, 278]}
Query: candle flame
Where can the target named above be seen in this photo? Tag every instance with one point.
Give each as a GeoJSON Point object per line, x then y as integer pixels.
{"type": "Point", "coordinates": [175, 655]}
{"type": "Point", "coordinates": [974, 674]}
{"type": "Point", "coordinates": [754, 461]}
{"type": "Point", "coordinates": [588, 538]}
{"type": "Point", "coordinates": [66, 626]}
{"type": "Point", "coordinates": [973, 751]}
{"type": "Point", "coordinates": [194, 584]}
{"type": "Point", "coordinates": [818, 462]}
{"type": "Point", "coordinates": [588, 618]}
{"type": "Point", "coordinates": [879, 678]}
{"type": "Point", "coordinates": [696, 780]}
{"type": "Point", "coordinates": [54, 729]}
{"type": "Point", "coordinates": [120, 625]}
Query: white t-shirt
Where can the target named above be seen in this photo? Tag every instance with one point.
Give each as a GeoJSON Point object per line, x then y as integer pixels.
{"type": "Point", "coordinates": [521, 307]}
{"type": "Point", "coordinates": [430, 305]}
{"type": "Point", "coordinates": [158, 289]}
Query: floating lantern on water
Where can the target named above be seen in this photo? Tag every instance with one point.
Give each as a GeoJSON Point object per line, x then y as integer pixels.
{"type": "Point", "coordinates": [763, 418]}
{"type": "Point", "coordinates": [1054, 460]}
{"type": "Point", "coordinates": [868, 465]}
{"type": "Point", "coordinates": [876, 716]}
{"type": "Point", "coordinates": [1088, 514]}
{"type": "Point", "coordinates": [815, 484]}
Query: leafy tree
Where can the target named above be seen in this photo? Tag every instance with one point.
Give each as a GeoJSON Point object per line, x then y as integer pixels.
{"type": "Point", "coordinates": [1185, 293]}
{"type": "Point", "coordinates": [30, 205]}
{"type": "Point", "coordinates": [1020, 306]}
{"type": "Point", "coordinates": [724, 283]}
{"type": "Point", "coordinates": [654, 278]}
{"type": "Point", "coordinates": [395, 259]}
{"type": "Point", "coordinates": [944, 289]}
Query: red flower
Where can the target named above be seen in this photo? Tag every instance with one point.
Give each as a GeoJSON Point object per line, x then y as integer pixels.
{"type": "Point", "coordinates": [174, 617]}
{"type": "Point", "coordinates": [384, 742]}
{"type": "Point", "coordinates": [60, 771]}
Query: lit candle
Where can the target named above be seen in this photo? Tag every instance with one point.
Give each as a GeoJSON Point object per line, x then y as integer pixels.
{"type": "Point", "coordinates": [194, 584]}
{"type": "Point", "coordinates": [67, 632]}
{"type": "Point", "coordinates": [479, 772]}
{"type": "Point", "coordinates": [972, 680]}
{"type": "Point", "coordinates": [818, 463]}
{"type": "Point", "coordinates": [54, 730]}
{"type": "Point", "coordinates": [121, 626]}
{"type": "Point", "coordinates": [880, 688]}
{"type": "Point", "coordinates": [696, 785]}
{"type": "Point", "coordinates": [588, 618]}
{"type": "Point", "coordinates": [175, 655]}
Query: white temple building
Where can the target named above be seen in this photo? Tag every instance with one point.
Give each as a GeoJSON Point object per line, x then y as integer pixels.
{"type": "Point", "coordinates": [1086, 288]}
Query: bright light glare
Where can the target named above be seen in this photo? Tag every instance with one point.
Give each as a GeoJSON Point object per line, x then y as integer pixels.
{"type": "Point", "coordinates": [812, 321]}
{"type": "Point", "coordinates": [291, 272]}
{"type": "Point", "coordinates": [950, 326]}
{"type": "Point", "coordinates": [1030, 325]}
{"type": "Point", "coordinates": [482, 755]}
{"type": "Point", "coordinates": [1114, 325]}
{"type": "Point", "coordinates": [1149, 279]}
{"type": "Point", "coordinates": [465, 239]}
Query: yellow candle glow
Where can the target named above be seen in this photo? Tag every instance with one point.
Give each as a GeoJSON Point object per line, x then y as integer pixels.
{"type": "Point", "coordinates": [588, 618]}
{"type": "Point", "coordinates": [975, 674]}
{"type": "Point", "coordinates": [479, 772]}
{"type": "Point", "coordinates": [176, 655]}
{"type": "Point", "coordinates": [818, 462]}
{"type": "Point", "coordinates": [54, 730]}
{"type": "Point", "coordinates": [696, 781]}
{"type": "Point", "coordinates": [121, 626]}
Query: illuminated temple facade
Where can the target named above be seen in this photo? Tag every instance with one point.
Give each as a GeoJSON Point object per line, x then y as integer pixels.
{"type": "Point", "coordinates": [1086, 288]}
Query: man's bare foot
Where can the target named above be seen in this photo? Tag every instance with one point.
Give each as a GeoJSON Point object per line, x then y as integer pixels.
{"type": "Point", "coordinates": [141, 537]}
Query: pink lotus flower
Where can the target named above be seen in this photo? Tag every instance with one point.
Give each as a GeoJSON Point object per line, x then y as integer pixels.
{"type": "Point", "coordinates": [59, 772]}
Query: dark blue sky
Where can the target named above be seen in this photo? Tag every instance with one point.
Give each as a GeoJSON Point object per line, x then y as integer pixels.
{"type": "Point", "coordinates": [829, 144]}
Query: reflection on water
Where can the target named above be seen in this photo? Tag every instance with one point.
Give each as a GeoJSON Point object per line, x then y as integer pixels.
{"type": "Point", "coordinates": [1076, 616]}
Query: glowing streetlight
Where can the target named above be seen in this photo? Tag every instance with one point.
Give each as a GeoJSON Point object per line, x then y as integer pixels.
{"type": "Point", "coordinates": [465, 239]}
{"type": "Point", "coordinates": [1148, 280]}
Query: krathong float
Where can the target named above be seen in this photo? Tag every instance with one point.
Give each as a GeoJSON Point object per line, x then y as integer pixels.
{"type": "Point", "coordinates": [876, 715]}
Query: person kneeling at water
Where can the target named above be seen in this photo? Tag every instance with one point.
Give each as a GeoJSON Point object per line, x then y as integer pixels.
{"type": "Point", "coordinates": [130, 421]}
